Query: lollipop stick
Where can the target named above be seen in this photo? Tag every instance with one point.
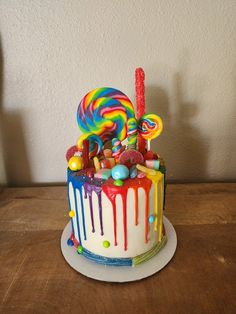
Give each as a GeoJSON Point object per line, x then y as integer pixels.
{"type": "Point", "coordinates": [148, 145]}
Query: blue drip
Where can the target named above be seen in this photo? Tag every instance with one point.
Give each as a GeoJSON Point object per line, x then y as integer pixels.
{"type": "Point", "coordinates": [77, 183]}
{"type": "Point", "coordinates": [72, 224]}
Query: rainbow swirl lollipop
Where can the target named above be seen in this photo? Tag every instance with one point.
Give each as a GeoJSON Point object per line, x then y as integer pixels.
{"type": "Point", "coordinates": [150, 126]}
{"type": "Point", "coordinates": [105, 112]}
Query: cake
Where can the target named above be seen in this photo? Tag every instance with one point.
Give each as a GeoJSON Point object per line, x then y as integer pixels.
{"type": "Point", "coordinates": [116, 188]}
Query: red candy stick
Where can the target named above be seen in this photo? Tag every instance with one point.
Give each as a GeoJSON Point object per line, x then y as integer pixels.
{"type": "Point", "coordinates": [140, 103]}
{"type": "Point", "coordinates": [85, 153]}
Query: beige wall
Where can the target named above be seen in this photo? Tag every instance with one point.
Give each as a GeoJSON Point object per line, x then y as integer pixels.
{"type": "Point", "coordinates": [53, 52]}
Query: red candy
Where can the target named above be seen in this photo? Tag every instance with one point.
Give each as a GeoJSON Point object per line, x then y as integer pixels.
{"type": "Point", "coordinates": [85, 153]}
{"type": "Point", "coordinates": [70, 152]}
{"type": "Point", "coordinates": [105, 163]}
{"type": "Point", "coordinates": [131, 157]}
{"type": "Point", "coordinates": [148, 155]}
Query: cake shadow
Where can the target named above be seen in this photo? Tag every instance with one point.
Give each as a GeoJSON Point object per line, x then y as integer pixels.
{"type": "Point", "coordinates": [14, 162]}
{"type": "Point", "coordinates": [181, 144]}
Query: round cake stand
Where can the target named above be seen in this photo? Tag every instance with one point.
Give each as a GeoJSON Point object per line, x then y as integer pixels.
{"type": "Point", "coordinates": [120, 273]}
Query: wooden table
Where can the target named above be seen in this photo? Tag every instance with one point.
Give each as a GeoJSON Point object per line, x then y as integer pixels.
{"type": "Point", "coordinates": [201, 278]}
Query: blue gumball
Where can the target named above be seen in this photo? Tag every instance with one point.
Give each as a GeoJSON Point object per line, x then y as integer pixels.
{"type": "Point", "coordinates": [120, 172]}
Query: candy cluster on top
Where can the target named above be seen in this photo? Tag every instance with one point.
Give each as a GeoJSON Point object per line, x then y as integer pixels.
{"type": "Point", "coordinates": [106, 117]}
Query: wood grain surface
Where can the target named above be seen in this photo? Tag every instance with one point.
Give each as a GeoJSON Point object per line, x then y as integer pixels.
{"type": "Point", "coordinates": [201, 278]}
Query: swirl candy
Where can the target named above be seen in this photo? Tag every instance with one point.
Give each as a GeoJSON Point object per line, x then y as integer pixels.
{"type": "Point", "coordinates": [132, 133]}
{"type": "Point", "coordinates": [104, 112]}
{"type": "Point", "coordinates": [95, 144]}
{"type": "Point", "coordinates": [117, 147]}
{"type": "Point", "coordinates": [150, 126]}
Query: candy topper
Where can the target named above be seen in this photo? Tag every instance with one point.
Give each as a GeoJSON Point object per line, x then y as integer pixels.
{"type": "Point", "coordinates": [106, 115]}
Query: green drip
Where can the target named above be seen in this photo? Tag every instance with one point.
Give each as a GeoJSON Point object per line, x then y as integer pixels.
{"type": "Point", "coordinates": [146, 256]}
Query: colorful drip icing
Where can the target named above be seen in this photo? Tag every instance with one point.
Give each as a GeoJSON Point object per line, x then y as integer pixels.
{"type": "Point", "coordinates": [79, 180]}
{"type": "Point", "coordinates": [90, 184]}
{"type": "Point", "coordinates": [119, 261]}
{"type": "Point", "coordinates": [112, 191]}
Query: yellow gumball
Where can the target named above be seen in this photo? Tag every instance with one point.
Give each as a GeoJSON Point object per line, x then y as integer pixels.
{"type": "Point", "coordinates": [75, 163]}
{"type": "Point", "coordinates": [71, 213]}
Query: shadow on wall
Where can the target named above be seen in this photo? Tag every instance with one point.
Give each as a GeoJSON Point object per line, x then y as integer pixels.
{"type": "Point", "coordinates": [14, 164]}
{"type": "Point", "coordinates": [181, 144]}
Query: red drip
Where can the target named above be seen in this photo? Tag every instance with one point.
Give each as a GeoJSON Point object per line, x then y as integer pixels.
{"type": "Point", "coordinates": [112, 190]}
{"type": "Point", "coordinates": [124, 197]}
{"type": "Point", "coordinates": [114, 222]}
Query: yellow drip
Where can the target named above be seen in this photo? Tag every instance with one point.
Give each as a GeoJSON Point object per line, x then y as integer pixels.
{"type": "Point", "coordinates": [156, 179]}
{"type": "Point", "coordinates": [156, 205]}
{"type": "Point", "coordinates": [161, 211]}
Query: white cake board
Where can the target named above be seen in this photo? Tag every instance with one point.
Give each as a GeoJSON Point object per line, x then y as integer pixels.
{"type": "Point", "coordinates": [119, 273]}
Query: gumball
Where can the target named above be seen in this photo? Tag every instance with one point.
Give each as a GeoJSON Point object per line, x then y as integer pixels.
{"type": "Point", "coordinates": [106, 244]}
{"type": "Point", "coordinates": [120, 172]}
{"type": "Point", "coordinates": [75, 163]}
{"type": "Point", "coordinates": [71, 213]}
{"type": "Point", "coordinates": [118, 182]}
{"type": "Point", "coordinates": [70, 242]}
{"type": "Point", "coordinates": [151, 219]}
{"type": "Point", "coordinates": [80, 249]}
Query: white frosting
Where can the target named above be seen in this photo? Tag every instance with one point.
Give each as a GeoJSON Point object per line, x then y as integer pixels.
{"type": "Point", "coordinates": [135, 233]}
